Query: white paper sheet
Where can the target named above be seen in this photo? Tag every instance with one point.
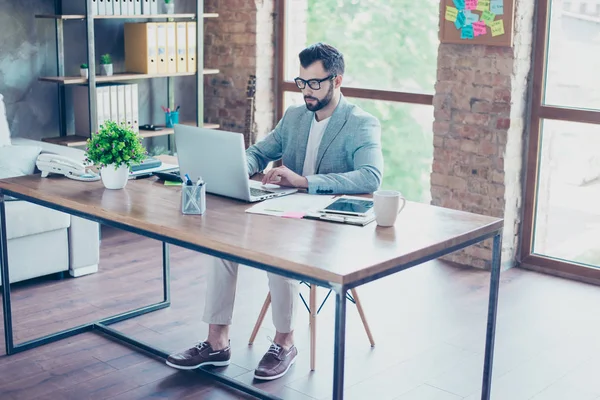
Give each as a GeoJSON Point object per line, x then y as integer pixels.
{"type": "Point", "coordinates": [294, 203]}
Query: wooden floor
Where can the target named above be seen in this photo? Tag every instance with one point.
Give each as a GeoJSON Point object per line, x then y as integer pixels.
{"type": "Point", "coordinates": [428, 322]}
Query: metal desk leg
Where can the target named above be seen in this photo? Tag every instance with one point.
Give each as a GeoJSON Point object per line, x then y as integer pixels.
{"type": "Point", "coordinates": [8, 333]}
{"type": "Point", "coordinates": [491, 320]}
{"type": "Point", "coordinates": [340, 343]}
{"type": "Point", "coordinates": [166, 273]}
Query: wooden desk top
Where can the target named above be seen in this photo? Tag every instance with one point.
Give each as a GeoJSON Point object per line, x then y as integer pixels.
{"type": "Point", "coordinates": [326, 251]}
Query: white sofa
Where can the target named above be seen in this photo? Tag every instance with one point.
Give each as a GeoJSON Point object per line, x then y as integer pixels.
{"type": "Point", "coordinates": [42, 241]}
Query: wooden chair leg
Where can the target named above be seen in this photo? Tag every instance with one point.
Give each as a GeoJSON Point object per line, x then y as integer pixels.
{"type": "Point", "coordinates": [313, 325]}
{"type": "Point", "coordinates": [260, 319]}
{"type": "Point", "coordinates": [362, 316]}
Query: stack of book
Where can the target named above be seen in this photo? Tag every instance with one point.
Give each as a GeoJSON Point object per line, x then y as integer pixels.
{"type": "Point", "coordinates": [160, 47]}
{"type": "Point", "coordinates": [115, 102]}
{"type": "Point", "coordinates": [125, 7]}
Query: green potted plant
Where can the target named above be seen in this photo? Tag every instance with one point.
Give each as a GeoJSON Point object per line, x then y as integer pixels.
{"type": "Point", "coordinates": [113, 150]}
{"type": "Point", "coordinates": [169, 7]}
{"type": "Point", "coordinates": [106, 64]}
{"type": "Point", "coordinates": [83, 70]}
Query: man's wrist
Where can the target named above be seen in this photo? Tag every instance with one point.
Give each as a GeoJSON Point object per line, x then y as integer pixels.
{"type": "Point", "coordinates": [303, 184]}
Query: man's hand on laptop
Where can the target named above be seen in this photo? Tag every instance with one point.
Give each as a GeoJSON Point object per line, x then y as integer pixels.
{"type": "Point", "coordinates": [284, 176]}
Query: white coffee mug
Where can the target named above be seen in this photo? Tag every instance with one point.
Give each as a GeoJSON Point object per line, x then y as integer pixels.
{"type": "Point", "coordinates": [387, 205]}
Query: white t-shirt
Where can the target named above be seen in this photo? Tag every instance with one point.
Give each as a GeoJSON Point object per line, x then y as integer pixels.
{"type": "Point", "coordinates": [317, 128]}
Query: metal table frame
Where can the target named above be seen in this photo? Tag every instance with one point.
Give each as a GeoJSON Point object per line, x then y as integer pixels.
{"type": "Point", "coordinates": [103, 325]}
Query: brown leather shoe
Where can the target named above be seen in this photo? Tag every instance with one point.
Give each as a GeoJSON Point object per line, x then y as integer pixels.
{"type": "Point", "coordinates": [275, 363]}
{"type": "Point", "coordinates": [200, 355]}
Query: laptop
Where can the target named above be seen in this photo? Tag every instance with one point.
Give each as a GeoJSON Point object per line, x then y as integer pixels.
{"type": "Point", "coordinates": [219, 158]}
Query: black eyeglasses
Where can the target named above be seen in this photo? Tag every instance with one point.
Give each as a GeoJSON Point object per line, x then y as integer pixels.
{"type": "Point", "coordinates": [314, 84]}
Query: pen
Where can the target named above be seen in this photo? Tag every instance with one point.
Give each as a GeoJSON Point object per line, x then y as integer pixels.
{"type": "Point", "coordinates": [271, 209]}
{"type": "Point", "coordinates": [188, 181]}
{"type": "Point", "coordinates": [177, 109]}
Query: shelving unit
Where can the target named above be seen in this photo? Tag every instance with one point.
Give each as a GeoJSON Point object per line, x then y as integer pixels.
{"type": "Point", "coordinates": [63, 81]}
{"type": "Point", "coordinates": [126, 76]}
{"type": "Point", "coordinates": [157, 16]}
{"type": "Point", "coordinates": [78, 140]}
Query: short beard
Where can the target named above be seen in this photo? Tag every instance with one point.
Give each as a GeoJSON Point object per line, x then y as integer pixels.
{"type": "Point", "coordinates": [320, 103]}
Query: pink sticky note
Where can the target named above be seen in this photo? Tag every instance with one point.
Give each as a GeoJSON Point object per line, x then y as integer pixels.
{"type": "Point", "coordinates": [293, 214]}
{"type": "Point", "coordinates": [479, 28]}
{"type": "Point", "coordinates": [470, 4]}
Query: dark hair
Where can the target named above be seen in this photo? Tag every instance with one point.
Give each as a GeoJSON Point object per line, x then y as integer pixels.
{"type": "Point", "coordinates": [332, 59]}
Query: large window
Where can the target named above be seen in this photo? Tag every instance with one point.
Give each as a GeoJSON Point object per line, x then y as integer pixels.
{"type": "Point", "coordinates": [390, 49]}
{"type": "Point", "coordinates": [562, 218]}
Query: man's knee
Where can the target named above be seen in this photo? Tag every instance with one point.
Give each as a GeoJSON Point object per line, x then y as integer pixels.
{"type": "Point", "coordinates": [281, 280]}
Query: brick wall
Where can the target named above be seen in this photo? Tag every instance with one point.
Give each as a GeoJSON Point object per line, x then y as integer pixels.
{"type": "Point", "coordinates": [239, 43]}
{"type": "Point", "coordinates": [479, 114]}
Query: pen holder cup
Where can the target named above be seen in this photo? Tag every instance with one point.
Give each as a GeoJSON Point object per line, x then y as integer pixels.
{"type": "Point", "coordinates": [193, 199]}
{"type": "Point", "coordinates": [171, 118]}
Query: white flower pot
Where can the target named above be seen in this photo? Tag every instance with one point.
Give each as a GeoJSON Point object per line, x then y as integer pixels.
{"type": "Point", "coordinates": [84, 72]}
{"type": "Point", "coordinates": [114, 178]}
{"type": "Point", "coordinates": [169, 8]}
{"type": "Point", "coordinates": [107, 69]}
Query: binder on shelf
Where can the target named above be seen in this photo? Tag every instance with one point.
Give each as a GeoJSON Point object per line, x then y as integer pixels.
{"type": "Point", "coordinates": [114, 104]}
{"type": "Point", "coordinates": [123, 6]}
{"type": "Point", "coordinates": [116, 7]}
{"type": "Point", "coordinates": [100, 116]}
{"type": "Point", "coordinates": [121, 104]}
{"type": "Point", "coordinates": [108, 5]}
{"type": "Point", "coordinates": [128, 106]}
{"type": "Point", "coordinates": [137, 7]}
{"type": "Point", "coordinates": [94, 7]}
{"type": "Point", "coordinates": [105, 95]}
{"type": "Point", "coordinates": [101, 7]}
{"type": "Point", "coordinates": [181, 43]}
{"type": "Point", "coordinates": [135, 107]}
{"type": "Point", "coordinates": [191, 46]}
{"type": "Point", "coordinates": [171, 47]}
{"type": "Point", "coordinates": [154, 7]}
{"type": "Point", "coordinates": [141, 48]}
{"type": "Point", "coordinates": [146, 7]}
{"type": "Point", "coordinates": [81, 108]}
{"type": "Point", "coordinates": [161, 44]}
{"type": "Point", "coordinates": [130, 7]}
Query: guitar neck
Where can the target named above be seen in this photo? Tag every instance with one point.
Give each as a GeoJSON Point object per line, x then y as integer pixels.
{"type": "Point", "coordinates": [248, 136]}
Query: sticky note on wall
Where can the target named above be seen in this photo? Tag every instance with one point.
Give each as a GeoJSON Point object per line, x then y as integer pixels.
{"type": "Point", "coordinates": [488, 17]}
{"type": "Point", "coordinates": [460, 20]}
{"type": "Point", "coordinates": [483, 5]}
{"type": "Point", "coordinates": [467, 32]}
{"type": "Point", "coordinates": [470, 17]}
{"type": "Point", "coordinates": [451, 13]}
{"type": "Point", "coordinates": [497, 7]}
{"type": "Point", "coordinates": [479, 28]}
{"type": "Point", "coordinates": [470, 4]}
{"type": "Point", "coordinates": [497, 28]}
{"type": "Point", "coordinates": [460, 4]}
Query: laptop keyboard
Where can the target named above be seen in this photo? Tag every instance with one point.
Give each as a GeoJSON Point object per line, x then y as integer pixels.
{"type": "Point", "coordinates": [259, 192]}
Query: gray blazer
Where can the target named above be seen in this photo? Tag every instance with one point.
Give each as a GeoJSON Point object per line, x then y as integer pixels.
{"type": "Point", "coordinates": [349, 159]}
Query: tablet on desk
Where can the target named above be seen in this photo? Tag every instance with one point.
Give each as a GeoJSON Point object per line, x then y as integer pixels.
{"type": "Point", "coordinates": [350, 205]}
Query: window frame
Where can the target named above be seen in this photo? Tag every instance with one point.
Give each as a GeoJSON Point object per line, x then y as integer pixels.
{"type": "Point", "coordinates": [282, 85]}
{"type": "Point", "coordinates": [539, 112]}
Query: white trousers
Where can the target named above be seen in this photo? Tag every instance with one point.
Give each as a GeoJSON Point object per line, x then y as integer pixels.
{"type": "Point", "coordinates": [220, 296]}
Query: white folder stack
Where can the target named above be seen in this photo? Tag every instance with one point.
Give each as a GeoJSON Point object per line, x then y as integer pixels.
{"type": "Point", "coordinates": [115, 102]}
{"type": "Point", "coordinates": [124, 7]}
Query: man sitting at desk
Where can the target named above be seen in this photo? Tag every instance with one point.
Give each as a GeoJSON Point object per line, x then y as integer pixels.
{"type": "Point", "coordinates": [328, 147]}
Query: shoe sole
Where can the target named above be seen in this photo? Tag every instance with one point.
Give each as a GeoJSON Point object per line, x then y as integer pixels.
{"type": "Point", "coordinates": [204, 364]}
{"type": "Point", "coordinates": [271, 378]}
